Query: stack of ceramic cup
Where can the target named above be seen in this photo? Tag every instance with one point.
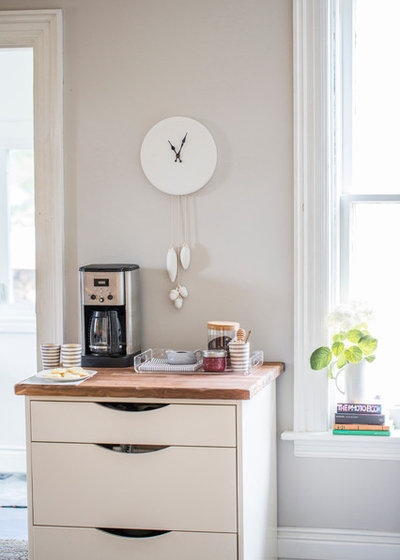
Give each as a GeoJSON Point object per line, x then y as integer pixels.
{"type": "Point", "coordinates": [240, 353]}
{"type": "Point", "coordinates": [50, 355]}
{"type": "Point", "coordinates": [71, 355]}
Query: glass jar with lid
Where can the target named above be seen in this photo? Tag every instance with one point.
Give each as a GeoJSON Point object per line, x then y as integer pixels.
{"type": "Point", "coordinates": [214, 360]}
{"type": "Point", "coordinates": [220, 334]}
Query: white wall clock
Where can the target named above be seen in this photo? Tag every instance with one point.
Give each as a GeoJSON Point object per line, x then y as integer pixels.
{"type": "Point", "coordinates": [178, 155]}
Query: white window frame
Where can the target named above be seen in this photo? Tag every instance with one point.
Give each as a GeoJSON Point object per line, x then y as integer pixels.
{"type": "Point", "coordinates": [315, 203]}
{"type": "Point", "coordinates": [346, 198]}
{"type": "Point", "coordinates": [42, 31]}
{"type": "Point", "coordinates": [316, 212]}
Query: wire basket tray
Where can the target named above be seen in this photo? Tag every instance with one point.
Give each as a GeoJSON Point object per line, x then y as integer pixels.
{"type": "Point", "coordinates": [154, 360]}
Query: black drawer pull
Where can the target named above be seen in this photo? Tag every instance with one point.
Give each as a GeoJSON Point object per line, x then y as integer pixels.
{"type": "Point", "coordinates": [129, 448]}
{"type": "Point", "coordinates": [134, 533]}
{"type": "Point", "coordinates": [132, 407]}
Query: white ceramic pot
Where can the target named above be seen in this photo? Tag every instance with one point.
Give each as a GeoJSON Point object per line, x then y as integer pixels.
{"type": "Point", "coordinates": [355, 382]}
{"type": "Point", "coordinates": [239, 355]}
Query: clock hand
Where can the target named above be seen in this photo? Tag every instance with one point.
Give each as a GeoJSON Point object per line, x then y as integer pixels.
{"type": "Point", "coordinates": [183, 141]}
{"type": "Point", "coordinates": [173, 149]}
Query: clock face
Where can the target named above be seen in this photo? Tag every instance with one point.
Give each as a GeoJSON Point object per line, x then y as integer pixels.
{"type": "Point", "coordinates": [178, 155]}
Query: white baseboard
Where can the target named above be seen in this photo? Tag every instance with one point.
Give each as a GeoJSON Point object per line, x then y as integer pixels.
{"type": "Point", "coordinates": [299, 543]}
{"type": "Point", "coordinates": [12, 460]}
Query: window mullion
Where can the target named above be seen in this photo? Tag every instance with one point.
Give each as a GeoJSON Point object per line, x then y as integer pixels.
{"type": "Point", "coordinates": [375, 197]}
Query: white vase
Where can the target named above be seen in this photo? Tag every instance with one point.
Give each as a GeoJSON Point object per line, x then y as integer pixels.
{"type": "Point", "coordinates": [355, 382]}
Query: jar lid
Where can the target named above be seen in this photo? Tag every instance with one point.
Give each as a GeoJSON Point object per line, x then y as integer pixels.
{"type": "Point", "coordinates": [223, 325]}
{"type": "Point", "coordinates": [214, 353]}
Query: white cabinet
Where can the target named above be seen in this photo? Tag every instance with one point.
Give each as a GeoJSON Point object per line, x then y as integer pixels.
{"type": "Point", "coordinates": [110, 422]}
{"type": "Point", "coordinates": [181, 488]}
{"type": "Point", "coordinates": [64, 543]}
{"type": "Point", "coordinates": [152, 480]}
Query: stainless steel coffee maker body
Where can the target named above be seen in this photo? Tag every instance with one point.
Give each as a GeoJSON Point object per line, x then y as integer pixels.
{"type": "Point", "coordinates": [110, 314]}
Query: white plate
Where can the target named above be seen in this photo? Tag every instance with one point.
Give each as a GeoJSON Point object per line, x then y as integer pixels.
{"type": "Point", "coordinates": [42, 375]}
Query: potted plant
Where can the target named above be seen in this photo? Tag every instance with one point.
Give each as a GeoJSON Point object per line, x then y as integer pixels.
{"type": "Point", "coordinates": [351, 348]}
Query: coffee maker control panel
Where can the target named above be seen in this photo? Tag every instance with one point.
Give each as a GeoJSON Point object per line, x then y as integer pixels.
{"type": "Point", "coordinates": [103, 288]}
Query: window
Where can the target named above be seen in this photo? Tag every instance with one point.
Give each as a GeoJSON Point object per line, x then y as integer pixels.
{"type": "Point", "coordinates": [370, 185]}
{"type": "Point", "coordinates": [36, 36]}
{"type": "Point", "coordinates": [17, 204]}
{"type": "Point", "coordinates": [38, 32]}
{"type": "Point", "coordinates": [21, 212]}
{"type": "Point", "coordinates": [346, 197]}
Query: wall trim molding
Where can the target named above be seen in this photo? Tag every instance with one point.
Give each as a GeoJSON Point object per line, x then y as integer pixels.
{"type": "Point", "coordinates": [12, 460]}
{"type": "Point", "coordinates": [314, 241]}
{"type": "Point", "coordinates": [303, 543]}
{"type": "Point", "coordinates": [41, 30]}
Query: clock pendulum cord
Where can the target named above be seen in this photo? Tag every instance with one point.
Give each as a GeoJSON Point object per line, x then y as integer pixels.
{"type": "Point", "coordinates": [172, 258]}
{"type": "Point", "coordinates": [180, 292]}
{"type": "Point", "coordinates": [185, 255]}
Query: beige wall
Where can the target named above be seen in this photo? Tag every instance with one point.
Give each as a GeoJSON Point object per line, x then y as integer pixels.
{"type": "Point", "coordinates": [227, 63]}
{"type": "Point", "coordinates": [130, 64]}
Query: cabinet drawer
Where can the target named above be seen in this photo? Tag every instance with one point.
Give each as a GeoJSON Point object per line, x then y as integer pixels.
{"type": "Point", "coordinates": [93, 544]}
{"type": "Point", "coordinates": [172, 424]}
{"type": "Point", "coordinates": [174, 488]}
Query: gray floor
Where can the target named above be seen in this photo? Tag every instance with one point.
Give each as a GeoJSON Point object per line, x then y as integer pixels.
{"type": "Point", "coordinates": [13, 550]}
{"type": "Point", "coordinates": [13, 521]}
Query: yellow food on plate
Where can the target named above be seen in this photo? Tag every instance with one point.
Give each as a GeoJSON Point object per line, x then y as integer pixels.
{"type": "Point", "coordinates": [77, 371]}
{"type": "Point", "coordinates": [69, 375]}
{"type": "Point", "coordinates": [54, 374]}
{"type": "Point", "coordinates": [65, 373]}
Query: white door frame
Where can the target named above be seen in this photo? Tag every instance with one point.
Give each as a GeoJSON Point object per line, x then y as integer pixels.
{"type": "Point", "coordinates": [42, 31]}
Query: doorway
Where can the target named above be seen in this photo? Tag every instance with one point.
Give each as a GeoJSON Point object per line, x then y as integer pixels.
{"type": "Point", "coordinates": [31, 232]}
{"type": "Point", "coordinates": [17, 253]}
{"type": "Point", "coordinates": [17, 277]}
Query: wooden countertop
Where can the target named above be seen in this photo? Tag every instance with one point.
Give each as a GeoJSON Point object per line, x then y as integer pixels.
{"type": "Point", "coordinates": [125, 382]}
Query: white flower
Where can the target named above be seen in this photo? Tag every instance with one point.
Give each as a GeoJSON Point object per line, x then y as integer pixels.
{"type": "Point", "coordinates": [347, 316]}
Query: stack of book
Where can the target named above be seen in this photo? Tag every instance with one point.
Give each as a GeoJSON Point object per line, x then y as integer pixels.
{"type": "Point", "coordinates": [357, 419]}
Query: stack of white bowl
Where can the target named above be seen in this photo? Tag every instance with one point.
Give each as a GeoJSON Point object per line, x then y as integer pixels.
{"type": "Point", "coordinates": [71, 355]}
{"type": "Point", "coordinates": [50, 355]}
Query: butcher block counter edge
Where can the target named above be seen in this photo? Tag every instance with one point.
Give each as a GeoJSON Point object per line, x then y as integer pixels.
{"type": "Point", "coordinates": [125, 383]}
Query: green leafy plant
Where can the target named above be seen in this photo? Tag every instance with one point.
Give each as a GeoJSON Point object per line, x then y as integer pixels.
{"type": "Point", "coordinates": [352, 344]}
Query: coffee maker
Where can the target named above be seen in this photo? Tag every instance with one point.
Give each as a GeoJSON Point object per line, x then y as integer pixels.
{"type": "Point", "coordinates": [110, 314]}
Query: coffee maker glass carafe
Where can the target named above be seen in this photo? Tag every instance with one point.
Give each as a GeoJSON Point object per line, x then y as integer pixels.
{"type": "Point", "coordinates": [105, 334]}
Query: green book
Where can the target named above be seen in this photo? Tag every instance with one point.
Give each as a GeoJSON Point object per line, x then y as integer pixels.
{"type": "Point", "coordinates": [361, 432]}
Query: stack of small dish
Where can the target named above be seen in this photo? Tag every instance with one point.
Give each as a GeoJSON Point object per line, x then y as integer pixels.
{"type": "Point", "coordinates": [50, 355]}
{"type": "Point", "coordinates": [71, 355]}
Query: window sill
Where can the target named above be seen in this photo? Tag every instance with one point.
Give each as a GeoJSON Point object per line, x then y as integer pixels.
{"type": "Point", "coordinates": [17, 324]}
{"type": "Point", "coordinates": [325, 444]}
